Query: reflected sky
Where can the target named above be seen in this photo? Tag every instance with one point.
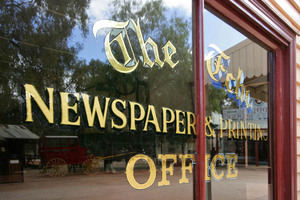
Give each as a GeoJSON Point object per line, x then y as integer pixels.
{"type": "Point", "coordinates": [217, 32]}
{"type": "Point", "coordinates": [93, 48]}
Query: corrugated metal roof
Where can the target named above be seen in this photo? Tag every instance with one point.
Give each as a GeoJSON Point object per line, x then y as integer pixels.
{"type": "Point", "coordinates": [16, 132]}
{"type": "Point", "coordinates": [247, 56]}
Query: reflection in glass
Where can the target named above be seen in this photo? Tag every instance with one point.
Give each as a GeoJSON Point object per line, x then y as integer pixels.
{"type": "Point", "coordinates": [237, 94]}
{"type": "Point", "coordinates": [50, 47]}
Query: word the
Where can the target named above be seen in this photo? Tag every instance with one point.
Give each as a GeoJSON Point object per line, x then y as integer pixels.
{"type": "Point", "coordinates": [130, 64]}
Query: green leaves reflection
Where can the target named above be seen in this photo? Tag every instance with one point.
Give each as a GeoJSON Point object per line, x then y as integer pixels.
{"type": "Point", "coordinates": [34, 47]}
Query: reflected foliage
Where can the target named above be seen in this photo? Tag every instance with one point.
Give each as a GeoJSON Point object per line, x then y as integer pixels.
{"type": "Point", "coordinates": [34, 47]}
{"type": "Point", "coordinates": [216, 100]}
{"type": "Point", "coordinates": [161, 83]}
{"type": "Point", "coordinates": [161, 87]}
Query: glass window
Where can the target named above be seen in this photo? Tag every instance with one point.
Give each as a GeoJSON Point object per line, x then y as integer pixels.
{"type": "Point", "coordinates": [117, 74]}
{"type": "Point", "coordinates": [237, 130]}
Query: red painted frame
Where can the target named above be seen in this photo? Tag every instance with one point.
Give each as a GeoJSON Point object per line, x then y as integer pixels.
{"type": "Point", "coordinates": [260, 23]}
{"type": "Point", "coordinates": [199, 192]}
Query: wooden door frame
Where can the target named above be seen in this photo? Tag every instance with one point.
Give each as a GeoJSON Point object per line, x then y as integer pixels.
{"type": "Point", "coordinates": [261, 24]}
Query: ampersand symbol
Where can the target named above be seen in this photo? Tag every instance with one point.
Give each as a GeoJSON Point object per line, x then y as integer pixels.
{"type": "Point", "coordinates": [208, 127]}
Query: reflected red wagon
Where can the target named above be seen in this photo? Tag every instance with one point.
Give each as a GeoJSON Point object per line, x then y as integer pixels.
{"type": "Point", "coordinates": [59, 152]}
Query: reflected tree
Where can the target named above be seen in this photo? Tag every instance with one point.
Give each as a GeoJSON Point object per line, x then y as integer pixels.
{"type": "Point", "coordinates": [161, 87]}
{"type": "Point", "coordinates": [34, 47]}
{"type": "Point", "coordinates": [216, 99]}
{"type": "Point", "coordinates": [162, 84]}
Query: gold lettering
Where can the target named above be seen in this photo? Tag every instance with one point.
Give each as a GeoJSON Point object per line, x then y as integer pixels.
{"type": "Point", "coordinates": [133, 117]}
{"type": "Point", "coordinates": [228, 84]}
{"type": "Point", "coordinates": [247, 99]}
{"type": "Point", "coordinates": [119, 114]}
{"type": "Point", "coordinates": [119, 39]}
{"type": "Point", "coordinates": [155, 51]}
{"type": "Point", "coordinates": [96, 110]}
{"type": "Point", "coordinates": [213, 166]}
{"type": "Point", "coordinates": [164, 118]}
{"type": "Point", "coordinates": [240, 88]}
{"type": "Point", "coordinates": [168, 48]}
{"type": "Point", "coordinates": [154, 121]}
{"type": "Point", "coordinates": [168, 56]}
{"type": "Point", "coordinates": [146, 59]}
{"type": "Point", "coordinates": [184, 168]}
{"type": "Point", "coordinates": [231, 130]}
{"type": "Point", "coordinates": [232, 171]}
{"type": "Point", "coordinates": [130, 172]}
{"type": "Point", "coordinates": [217, 63]}
{"type": "Point", "coordinates": [179, 122]}
{"type": "Point", "coordinates": [113, 61]}
{"type": "Point", "coordinates": [48, 112]}
{"type": "Point", "coordinates": [222, 128]}
{"type": "Point", "coordinates": [207, 126]}
{"type": "Point", "coordinates": [191, 118]}
{"type": "Point", "coordinates": [207, 167]}
{"type": "Point", "coordinates": [165, 169]}
{"type": "Point", "coordinates": [215, 68]}
{"type": "Point", "coordinates": [65, 107]}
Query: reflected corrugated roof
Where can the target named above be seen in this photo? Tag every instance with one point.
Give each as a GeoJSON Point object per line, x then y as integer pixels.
{"type": "Point", "coordinates": [16, 132]}
{"type": "Point", "coordinates": [248, 56]}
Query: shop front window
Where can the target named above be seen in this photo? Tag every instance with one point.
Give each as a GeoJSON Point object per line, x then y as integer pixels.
{"type": "Point", "coordinates": [102, 88]}
{"type": "Point", "coordinates": [236, 103]}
